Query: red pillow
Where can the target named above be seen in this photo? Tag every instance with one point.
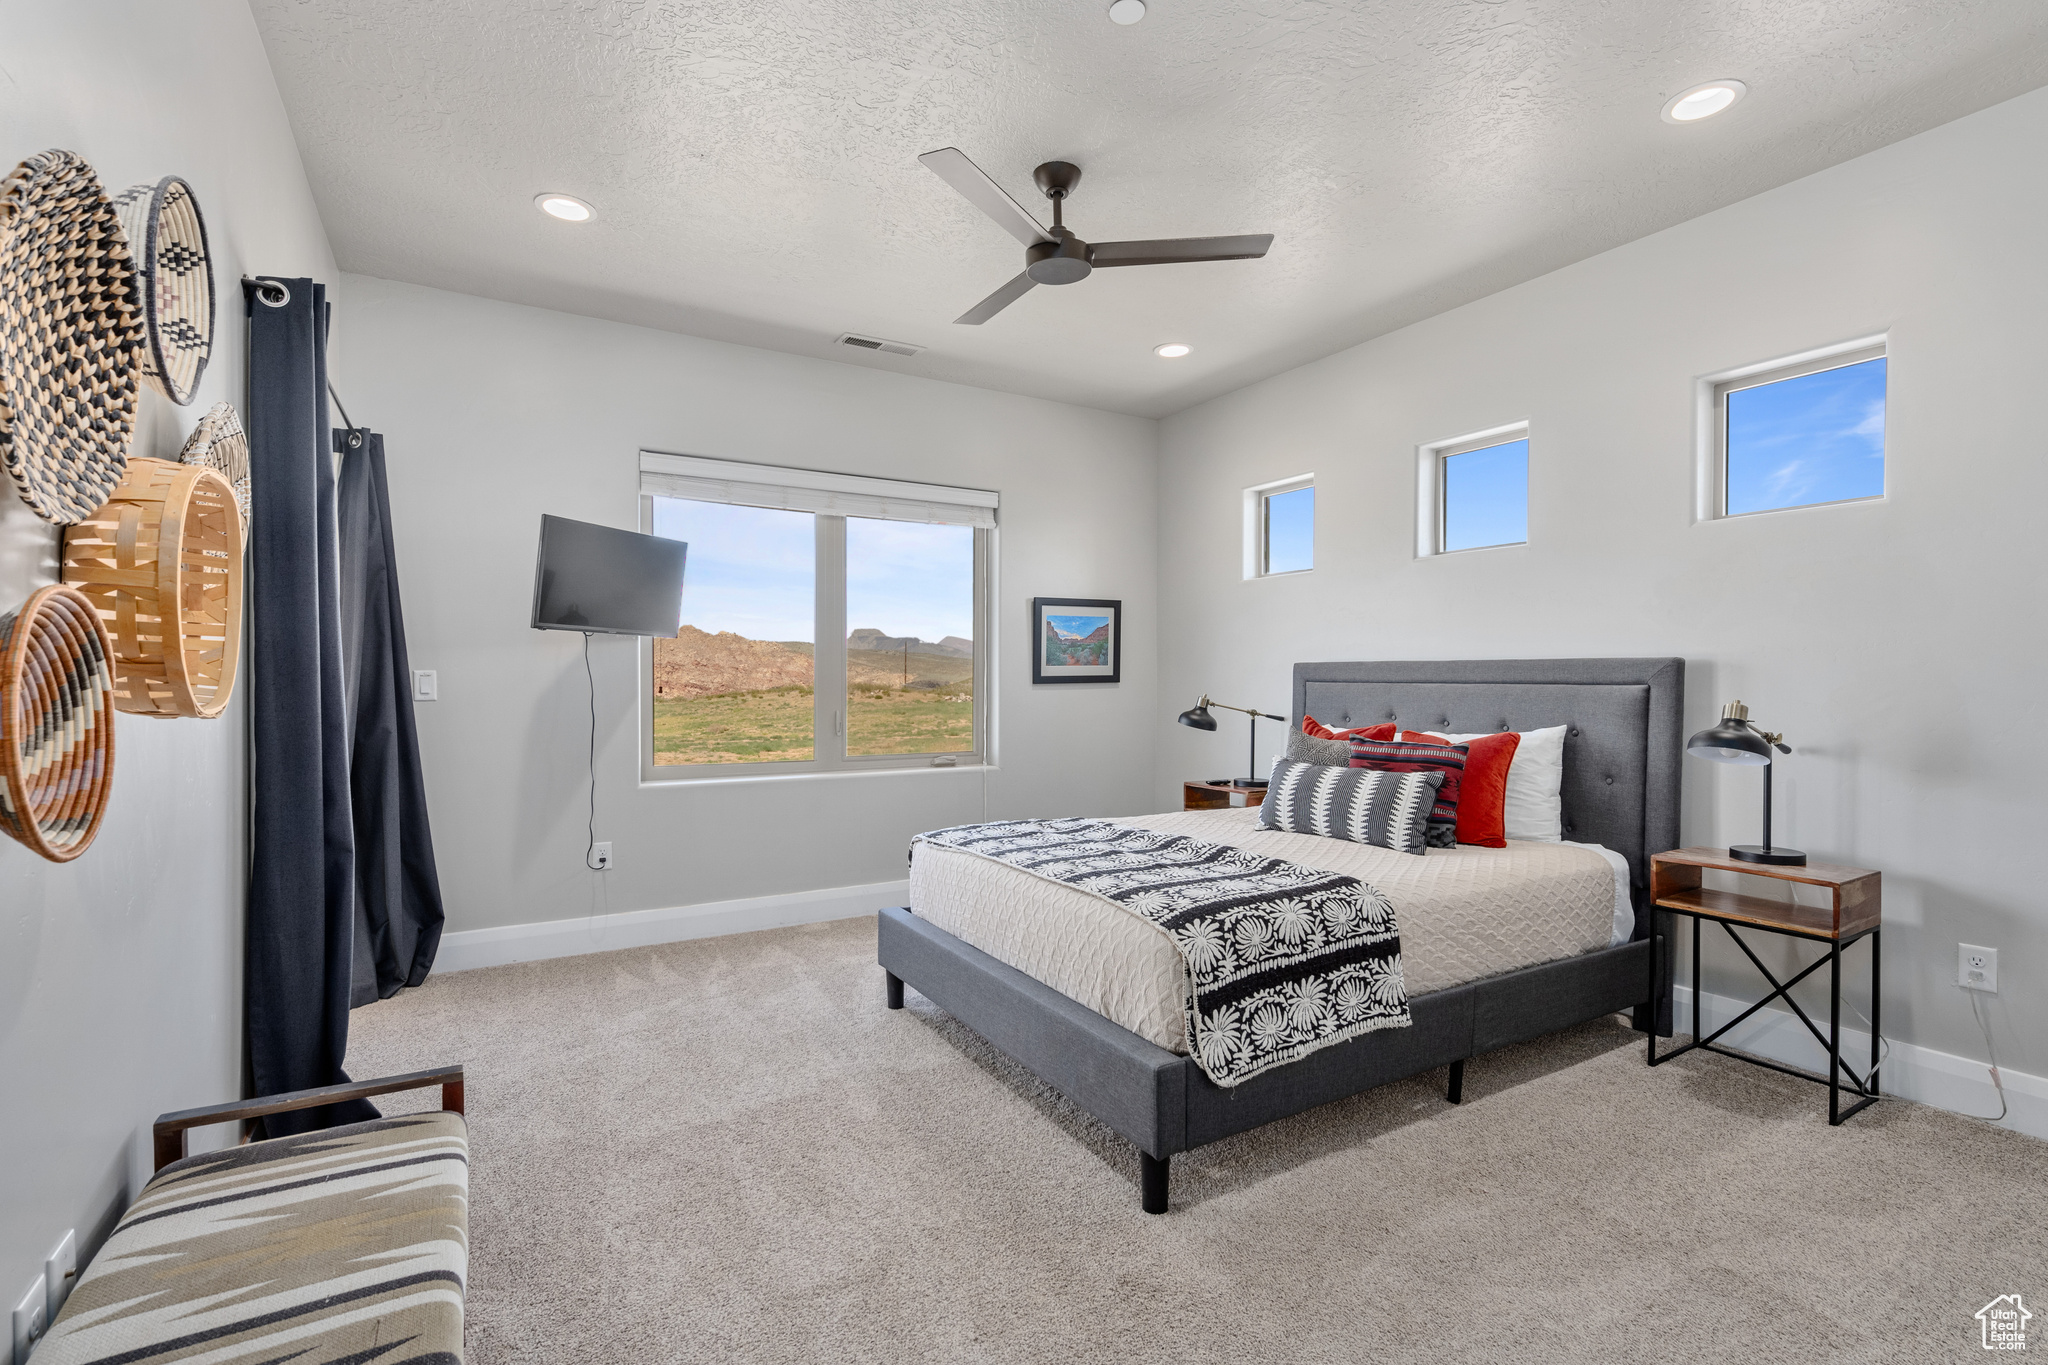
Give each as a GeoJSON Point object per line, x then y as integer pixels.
{"type": "Point", "coordinates": [1483, 793]}
{"type": "Point", "coordinates": [1315, 729]}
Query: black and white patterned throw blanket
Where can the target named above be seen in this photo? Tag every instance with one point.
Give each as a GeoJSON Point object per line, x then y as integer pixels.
{"type": "Point", "coordinates": [1283, 959]}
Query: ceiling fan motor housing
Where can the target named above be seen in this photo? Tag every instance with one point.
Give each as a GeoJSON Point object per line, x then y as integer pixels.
{"type": "Point", "coordinates": [1063, 260]}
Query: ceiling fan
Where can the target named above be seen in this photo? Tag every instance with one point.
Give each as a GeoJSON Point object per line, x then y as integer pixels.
{"type": "Point", "coordinates": [1056, 255]}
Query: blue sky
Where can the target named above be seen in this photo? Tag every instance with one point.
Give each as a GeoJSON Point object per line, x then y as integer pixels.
{"type": "Point", "coordinates": [1077, 625]}
{"type": "Point", "coordinates": [752, 571]}
{"type": "Point", "coordinates": [906, 578]}
{"type": "Point", "coordinates": [1291, 531]}
{"type": "Point", "coordinates": [1486, 496]}
{"type": "Point", "coordinates": [1817, 438]}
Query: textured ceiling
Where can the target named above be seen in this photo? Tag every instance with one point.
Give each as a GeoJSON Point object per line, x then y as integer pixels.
{"type": "Point", "coordinates": [754, 162]}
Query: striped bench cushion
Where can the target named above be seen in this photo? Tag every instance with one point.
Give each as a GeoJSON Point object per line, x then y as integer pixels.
{"type": "Point", "coordinates": [346, 1245]}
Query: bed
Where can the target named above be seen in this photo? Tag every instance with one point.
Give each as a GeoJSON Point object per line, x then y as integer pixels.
{"type": "Point", "coordinates": [1119, 1060]}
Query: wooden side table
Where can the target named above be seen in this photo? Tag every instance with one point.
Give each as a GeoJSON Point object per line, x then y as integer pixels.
{"type": "Point", "coordinates": [1853, 913]}
{"type": "Point", "coordinates": [1216, 795]}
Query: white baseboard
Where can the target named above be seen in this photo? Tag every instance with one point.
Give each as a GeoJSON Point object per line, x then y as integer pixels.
{"type": "Point", "coordinates": [1961, 1085]}
{"type": "Point", "coordinates": [469, 948]}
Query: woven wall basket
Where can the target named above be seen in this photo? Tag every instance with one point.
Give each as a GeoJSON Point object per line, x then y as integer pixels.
{"type": "Point", "coordinates": [162, 562]}
{"type": "Point", "coordinates": [69, 337]}
{"type": "Point", "coordinates": [219, 443]}
{"type": "Point", "coordinates": [173, 283]}
{"type": "Point", "coordinates": [56, 723]}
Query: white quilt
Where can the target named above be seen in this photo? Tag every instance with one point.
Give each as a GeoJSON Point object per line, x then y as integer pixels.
{"type": "Point", "coordinates": [1464, 913]}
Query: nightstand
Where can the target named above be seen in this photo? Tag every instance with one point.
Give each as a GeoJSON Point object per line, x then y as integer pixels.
{"type": "Point", "coordinates": [1216, 795]}
{"type": "Point", "coordinates": [1851, 914]}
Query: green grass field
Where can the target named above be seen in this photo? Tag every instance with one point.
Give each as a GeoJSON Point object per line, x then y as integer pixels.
{"type": "Point", "coordinates": [774, 725]}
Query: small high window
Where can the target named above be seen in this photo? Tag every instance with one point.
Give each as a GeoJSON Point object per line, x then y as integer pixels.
{"type": "Point", "coordinates": [1798, 434]}
{"type": "Point", "coordinates": [1474, 492]}
{"type": "Point", "coordinates": [1280, 527]}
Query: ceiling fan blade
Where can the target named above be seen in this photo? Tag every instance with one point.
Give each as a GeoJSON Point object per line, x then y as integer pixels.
{"type": "Point", "coordinates": [996, 302]}
{"type": "Point", "coordinates": [951, 165]}
{"type": "Point", "coordinates": [1173, 250]}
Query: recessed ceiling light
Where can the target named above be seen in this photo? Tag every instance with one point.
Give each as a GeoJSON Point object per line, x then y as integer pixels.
{"type": "Point", "coordinates": [1172, 350]}
{"type": "Point", "coordinates": [1127, 11]}
{"type": "Point", "coordinates": [566, 207]}
{"type": "Point", "coordinates": [1703, 101]}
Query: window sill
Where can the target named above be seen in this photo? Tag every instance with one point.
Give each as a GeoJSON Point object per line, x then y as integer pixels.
{"type": "Point", "coordinates": [808, 775]}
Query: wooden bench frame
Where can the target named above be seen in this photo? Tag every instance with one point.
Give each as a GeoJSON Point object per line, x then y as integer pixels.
{"type": "Point", "coordinates": [171, 1128]}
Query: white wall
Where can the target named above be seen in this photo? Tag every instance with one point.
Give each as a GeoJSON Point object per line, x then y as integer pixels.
{"type": "Point", "coordinates": [1898, 643]}
{"type": "Point", "coordinates": [495, 413]}
{"type": "Point", "coordinates": [120, 973]}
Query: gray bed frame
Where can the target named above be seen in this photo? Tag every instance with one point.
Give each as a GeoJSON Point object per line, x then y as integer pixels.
{"type": "Point", "coordinates": [1620, 789]}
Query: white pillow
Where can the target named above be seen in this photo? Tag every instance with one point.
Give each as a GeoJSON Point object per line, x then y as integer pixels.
{"type": "Point", "coordinates": [1533, 809]}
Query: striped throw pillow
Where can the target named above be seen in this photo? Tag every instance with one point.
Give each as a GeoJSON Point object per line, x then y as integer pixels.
{"type": "Point", "coordinates": [1364, 805]}
{"type": "Point", "coordinates": [1397, 756]}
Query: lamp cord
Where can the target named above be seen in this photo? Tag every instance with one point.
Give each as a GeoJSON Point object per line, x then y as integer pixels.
{"type": "Point", "coordinates": [2004, 1107]}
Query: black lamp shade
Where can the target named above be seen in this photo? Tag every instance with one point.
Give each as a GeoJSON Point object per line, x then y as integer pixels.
{"type": "Point", "coordinates": [1730, 742]}
{"type": "Point", "coordinates": [1199, 718]}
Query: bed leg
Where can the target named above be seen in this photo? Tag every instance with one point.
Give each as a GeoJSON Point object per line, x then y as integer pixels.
{"type": "Point", "coordinates": [1456, 1093]}
{"type": "Point", "coordinates": [895, 989]}
{"type": "Point", "coordinates": [1152, 1171]}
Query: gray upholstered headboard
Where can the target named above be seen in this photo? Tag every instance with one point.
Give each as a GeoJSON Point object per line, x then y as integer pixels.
{"type": "Point", "coordinates": [1621, 755]}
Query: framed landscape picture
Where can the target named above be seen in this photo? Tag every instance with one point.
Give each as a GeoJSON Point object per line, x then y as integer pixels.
{"type": "Point", "coordinates": [1076, 639]}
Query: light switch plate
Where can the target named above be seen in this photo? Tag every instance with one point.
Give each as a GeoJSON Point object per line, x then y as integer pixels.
{"type": "Point", "coordinates": [31, 1317]}
{"type": "Point", "coordinates": [60, 1272]}
{"type": "Point", "coordinates": [426, 685]}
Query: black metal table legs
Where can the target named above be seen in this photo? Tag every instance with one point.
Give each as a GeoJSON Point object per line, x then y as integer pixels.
{"type": "Point", "coordinates": [1841, 1076]}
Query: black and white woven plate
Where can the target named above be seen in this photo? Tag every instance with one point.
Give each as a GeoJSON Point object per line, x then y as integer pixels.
{"type": "Point", "coordinates": [69, 333]}
{"type": "Point", "coordinates": [173, 282]}
{"type": "Point", "coordinates": [220, 444]}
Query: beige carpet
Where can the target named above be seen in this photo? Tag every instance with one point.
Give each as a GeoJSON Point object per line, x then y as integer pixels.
{"type": "Point", "coordinates": [729, 1150]}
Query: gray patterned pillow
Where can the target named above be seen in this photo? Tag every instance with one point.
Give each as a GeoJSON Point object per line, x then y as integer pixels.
{"type": "Point", "coordinates": [1331, 753]}
{"type": "Point", "coordinates": [1364, 805]}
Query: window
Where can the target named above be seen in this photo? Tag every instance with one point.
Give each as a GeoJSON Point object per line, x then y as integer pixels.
{"type": "Point", "coordinates": [1280, 527]}
{"type": "Point", "coordinates": [1474, 492]}
{"type": "Point", "coordinates": [830, 622]}
{"type": "Point", "coordinates": [1797, 433]}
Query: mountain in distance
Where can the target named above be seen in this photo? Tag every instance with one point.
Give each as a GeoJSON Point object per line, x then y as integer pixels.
{"type": "Point", "coordinates": [697, 663]}
{"type": "Point", "coordinates": [871, 639]}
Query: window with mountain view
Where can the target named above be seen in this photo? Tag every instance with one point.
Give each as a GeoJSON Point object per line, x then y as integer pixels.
{"type": "Point", "coordinates": [735, 685]}
{"type": "Point", "coordinates": [815, 636]}
{"type": "Point", "coordinates": [910, 652]}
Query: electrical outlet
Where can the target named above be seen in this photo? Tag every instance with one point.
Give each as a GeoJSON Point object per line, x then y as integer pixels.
{"type": "Point", "coordinates": [600, 857]}
{"type": "Point", "coordinates": [60, 1272]}
{"type": "Point", "coordinates": [1977, 968]}
{"type": "Point", "coordinates": [31, 1318]}
{"type": "Point", "coordinates": [426, 685]}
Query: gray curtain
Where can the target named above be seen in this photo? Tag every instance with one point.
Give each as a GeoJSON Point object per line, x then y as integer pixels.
{"type": "Point", "coordinates": [398, 894]}
{"type": "Point", "coordinates": [298, 948]}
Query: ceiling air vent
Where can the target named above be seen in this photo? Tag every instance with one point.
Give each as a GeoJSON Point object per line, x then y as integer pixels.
{"type": "Point", "coordinates": [861, 343]}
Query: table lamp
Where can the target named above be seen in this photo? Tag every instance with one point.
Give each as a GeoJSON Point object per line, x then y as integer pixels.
{"type": "Point", "coordinates": [1199, 718]}
{"type": "Point", "coordinates": [1735, 740]}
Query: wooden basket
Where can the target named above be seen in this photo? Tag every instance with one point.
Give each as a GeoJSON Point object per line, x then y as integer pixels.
{"type": "Point", "coordinates": [56, 723]}
{"type": "Point", "coordinates": [162, 561]}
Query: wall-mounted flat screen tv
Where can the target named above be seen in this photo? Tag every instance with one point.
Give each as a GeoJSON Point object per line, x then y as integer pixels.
{"type": "Point", "coordinates": [607, 581]}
